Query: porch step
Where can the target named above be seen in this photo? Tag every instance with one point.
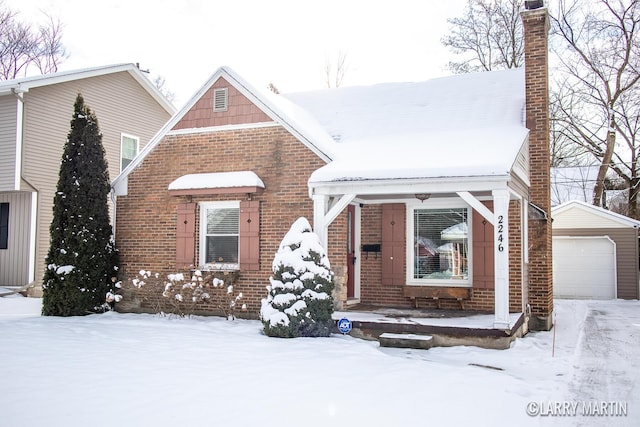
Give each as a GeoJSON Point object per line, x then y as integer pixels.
{"type": "Point", "coordinates": [418, 341]}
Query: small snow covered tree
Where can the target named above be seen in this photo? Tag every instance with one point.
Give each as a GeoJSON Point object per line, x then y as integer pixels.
{"type": "Point", "coordinates": [82, 258]}
{"type": "Point", "coordinates": [299, 303]}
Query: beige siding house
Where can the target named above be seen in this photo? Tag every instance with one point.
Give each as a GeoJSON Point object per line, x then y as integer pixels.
{"type": "Point", "coordinates": [35, 115]}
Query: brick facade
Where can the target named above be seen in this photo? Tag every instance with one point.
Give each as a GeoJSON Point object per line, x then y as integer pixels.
{"type": "Point", "coordinates": [540, 292]}
{"type": "Point", "coordinates": [243, 138]}
{"type": "Point", "coordinates": [146, 221]}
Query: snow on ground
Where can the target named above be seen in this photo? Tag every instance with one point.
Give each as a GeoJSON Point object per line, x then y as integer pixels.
{"type": "Point", "coordinates": [137, 369]}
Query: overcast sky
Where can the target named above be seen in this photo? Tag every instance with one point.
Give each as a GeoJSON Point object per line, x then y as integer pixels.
{"type": "Point", "coordinates": [284, 42]}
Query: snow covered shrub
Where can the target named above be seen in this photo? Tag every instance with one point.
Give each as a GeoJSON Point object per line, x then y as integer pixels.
{"type": "Point", "coordinates": [177, 295]}
{"type": "Point", "coordinates": [299, 303]}
{"type": "Point", "coordinates": [82, 258]}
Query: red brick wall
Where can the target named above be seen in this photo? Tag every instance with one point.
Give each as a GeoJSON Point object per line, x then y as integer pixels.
{"type": "Point", "coordinates": [540, 290]}
{"type": "Point", "coordinates": [146, 220]}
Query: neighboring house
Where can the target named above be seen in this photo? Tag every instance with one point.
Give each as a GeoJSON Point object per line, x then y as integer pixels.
{"type": "Point", "coordinates": [422, 193]}
{"type": "Point", "coordinates": [35, 116]}
{"type": "Point", "coordinates": [595, 253]}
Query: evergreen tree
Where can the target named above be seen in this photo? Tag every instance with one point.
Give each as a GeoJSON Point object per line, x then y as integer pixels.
{"type": "Point", "coordinates": [299, 303]}
{"type": "Point", "coordinates": [82, 258]}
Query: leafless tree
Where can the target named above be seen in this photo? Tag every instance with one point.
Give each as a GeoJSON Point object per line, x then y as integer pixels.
{"type": "Point", "coordinates": [599, 70]}
{"type": "Point", "coordinates": [273, 88]}
{"type": "Point", "coordinates": [160, 83]}
{"type": "Point", "coordinates": [22, 45]}
{"type": "Point", "coordinates": [488, 36]}
{"type": "Point", "coordinates": [334, 73]}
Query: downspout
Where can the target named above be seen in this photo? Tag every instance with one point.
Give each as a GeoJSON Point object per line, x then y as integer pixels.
{"type": "Point", "coordinates": [33, 220]}
{"type": "Point", "coordinates": [112, 194]}
{"type": "Point", "coordinates": [18, 93]}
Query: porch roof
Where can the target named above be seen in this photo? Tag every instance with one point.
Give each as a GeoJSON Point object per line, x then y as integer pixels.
{"type": "Point", "coordinates": [462, 127]}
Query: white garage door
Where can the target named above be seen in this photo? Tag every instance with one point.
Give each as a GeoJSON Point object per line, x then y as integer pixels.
{"type": "Point", "coordinates": [584, 267]}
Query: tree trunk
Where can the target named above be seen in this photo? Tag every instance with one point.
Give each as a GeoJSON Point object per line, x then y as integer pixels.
{"type": "Point", "coordinates": [633, 198]}
{"type": "Point", "coordinates": [604, 167]}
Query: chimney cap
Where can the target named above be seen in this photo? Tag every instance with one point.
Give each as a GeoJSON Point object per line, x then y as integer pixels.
{"type": "Point", "coordinates": [533, 4]}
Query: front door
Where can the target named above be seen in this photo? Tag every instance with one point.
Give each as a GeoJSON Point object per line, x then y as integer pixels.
{"type": "Point", "coordinates": [351, 251]}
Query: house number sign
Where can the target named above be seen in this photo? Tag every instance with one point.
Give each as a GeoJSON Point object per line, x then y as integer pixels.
{"type": "Point", "coordinates": [500, 233]}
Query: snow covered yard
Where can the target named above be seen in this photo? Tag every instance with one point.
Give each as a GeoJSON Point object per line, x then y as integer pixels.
{"type": "Point", "coordinates": [135, 370]}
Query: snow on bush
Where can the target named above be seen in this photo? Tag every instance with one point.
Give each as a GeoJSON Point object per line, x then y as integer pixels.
{"type": "Point", "coordinates": [176, 295]}
{"type": "Point", "coordinates": [299, 302]}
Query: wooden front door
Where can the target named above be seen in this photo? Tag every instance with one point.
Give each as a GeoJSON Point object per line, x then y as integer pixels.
{"type": "Point", "coordinates": [351, 251]}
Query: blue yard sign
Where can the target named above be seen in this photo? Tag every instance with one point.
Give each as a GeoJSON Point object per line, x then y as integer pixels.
{"type": "Point", "coordinates": [344, 325]}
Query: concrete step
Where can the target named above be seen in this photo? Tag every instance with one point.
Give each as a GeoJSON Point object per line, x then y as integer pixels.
{"type": "Point", "coordinates": [418, 341]}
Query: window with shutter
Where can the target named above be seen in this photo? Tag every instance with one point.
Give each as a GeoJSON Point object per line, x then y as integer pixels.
{"type": "Point", "coordinates": [220, 235]}
{"type": "Point", "coordinates": [440, 243]}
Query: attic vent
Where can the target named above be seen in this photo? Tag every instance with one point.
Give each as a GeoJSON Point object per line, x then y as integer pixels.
{"type": "Point", "coordinates": [220, 99]}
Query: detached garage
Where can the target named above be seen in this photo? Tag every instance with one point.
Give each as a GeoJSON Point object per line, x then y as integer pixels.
{"type": "Point", "coordinates": [595, 253]}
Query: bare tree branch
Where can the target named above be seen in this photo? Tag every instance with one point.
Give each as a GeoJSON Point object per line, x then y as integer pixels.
{"type": "Point", "coordinates": [335, 78]}
{"type": "Point", "coordinates": [488, 36]}
{"type": "Point", "coordinates": [599, 58]}
{"type": "Point", "coordinates": [22, 45]}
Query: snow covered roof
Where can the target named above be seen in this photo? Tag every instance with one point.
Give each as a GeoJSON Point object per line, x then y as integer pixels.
{"type": "Point", "coordinates": [217, 180]}
{"type": "Point", "coordinates": [469, 126]}
{"type": "Point", "coordinates": [23, 84]}
{"type": "Point", "coordinates": [463, 125]}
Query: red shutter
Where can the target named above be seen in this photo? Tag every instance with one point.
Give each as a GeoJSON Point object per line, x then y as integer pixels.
{"type": "Point", "coordinates": [393, 243]}
{"type": "Point", "coordinates": [482, 241]}
{"type": "Point", "coordinates": [250, 235]}
{"type": "Point", "coordinates": [186, 235]}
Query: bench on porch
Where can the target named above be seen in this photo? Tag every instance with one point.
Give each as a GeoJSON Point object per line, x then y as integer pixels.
{"type": "Point", "coordinates": [437, 293]}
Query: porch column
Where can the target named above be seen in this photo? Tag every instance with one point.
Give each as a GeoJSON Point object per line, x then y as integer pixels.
{"type": "Point", "coordinates": [501, 264]}
{"type": "Point", "coordinates": [320, 227]}
{"type": "Point", "coordinates": [325, 210]}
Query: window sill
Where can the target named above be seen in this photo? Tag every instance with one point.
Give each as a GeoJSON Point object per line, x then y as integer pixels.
{"type": "Point", "coordinates": [436, 284]}
{"type": "Point", "coordinates": [231, 268]}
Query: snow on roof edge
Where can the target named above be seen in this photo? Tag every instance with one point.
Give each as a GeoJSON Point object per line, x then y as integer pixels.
{"type": "Point", "coordinates": [217, 180]}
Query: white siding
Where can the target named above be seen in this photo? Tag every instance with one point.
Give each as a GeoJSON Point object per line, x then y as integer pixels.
{"type": "Point", "coordinates": [14, 261]}
{"type": "Point", "coordinates": [8, 112]}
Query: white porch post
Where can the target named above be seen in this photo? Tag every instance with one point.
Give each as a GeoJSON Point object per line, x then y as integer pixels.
{"type": "Point", "coordinates": [320, 227]}
{"type": "Point", "coordinates": [501, 265]}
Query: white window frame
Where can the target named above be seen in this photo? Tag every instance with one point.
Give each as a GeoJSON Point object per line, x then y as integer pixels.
{"type": "Point", "coordinates": [203, 235]}
{"type": "Point", "coordinates": [136, 139]}
{"type": "Point", "coordinates": [444, 203]}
